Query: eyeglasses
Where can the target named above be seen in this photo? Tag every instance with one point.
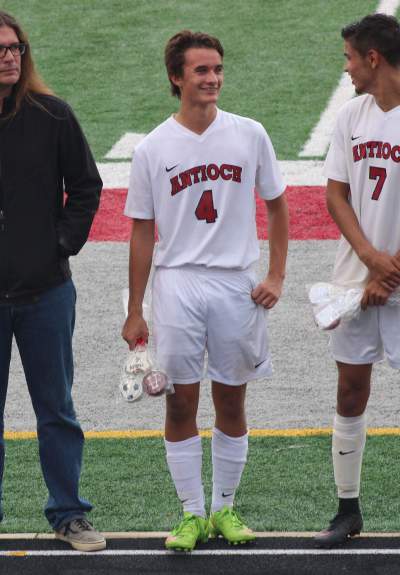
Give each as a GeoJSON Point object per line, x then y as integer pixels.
{"type": "Point", "coordinates": [15, 49]}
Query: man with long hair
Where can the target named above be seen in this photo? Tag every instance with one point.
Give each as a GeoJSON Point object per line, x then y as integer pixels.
{"type": "Point", "coordinates": [43, 155]}
{"type": "Point", "coordinates": [363, 167]}
{"type": "Point", "coordinates": [195, 176]}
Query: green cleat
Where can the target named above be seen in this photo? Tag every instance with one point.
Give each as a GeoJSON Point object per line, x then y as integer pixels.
{"type": "Point", "coordinates": [190, 530]}
{"type": "Point", "coordinates": [228, 524]}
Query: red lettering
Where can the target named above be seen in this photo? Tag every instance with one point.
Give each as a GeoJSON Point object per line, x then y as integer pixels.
{"type": "Point", "coordinates": [195, 173]}
{"type": "Point", "coordinates": [376, 150]}
{"type": "Point", "coordinates": [213, 172]}
{"type": "Point", "coordinates": [386, 149]}
{"type": "Point", "coordinates": [362, 150]}
{"type": "Point", "coordinates": [356, 154]}
{"type": "Point", "coordinates": [185, 179]}
{"type": "Point", "coordinates": [237, 174]}
{"type": "Point", "coordinates": [175, 186]}
{"type": "Point", "coordinates": [203, 173]}
{"type": "Point", "coordinates": [225, 171]}
{"type": "Point", "coordinates": [371, 146]}
{"type": "Point", "coordinates": [395, 155]}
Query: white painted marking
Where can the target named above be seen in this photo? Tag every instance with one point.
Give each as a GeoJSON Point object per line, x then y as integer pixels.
{"type": "Point", "coordinates": [318, 142]}
{"type": "Point", "coordinates": [161, 534]}
{"type": "Point", "coordinates": [115, 175]}
{"type": "Point", "coordinates": [295, 173]}
{"type": "Point", "coordinates": [203, 553]}
{"type": "Point", "coordinates": [388, 7]}
{"type": "Point", "coordinates": [303, 173]}
{"type": "Point", "coordinates": [125, 147]}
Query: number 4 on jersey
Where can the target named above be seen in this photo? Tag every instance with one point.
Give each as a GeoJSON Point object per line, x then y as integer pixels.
{"type": "Point", "coordinates": [205, 208]}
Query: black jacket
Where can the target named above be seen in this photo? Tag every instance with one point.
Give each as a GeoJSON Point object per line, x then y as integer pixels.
{"type": "Point", "coordinates": [43, 155]}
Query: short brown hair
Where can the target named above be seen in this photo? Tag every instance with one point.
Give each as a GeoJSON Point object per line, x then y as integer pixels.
{"type": "Point", "coordinates": [29, 83]}
{"type": "Point", "coordinates": [378, 32]}
{"type": "Point", "coordinates": [176, 48]}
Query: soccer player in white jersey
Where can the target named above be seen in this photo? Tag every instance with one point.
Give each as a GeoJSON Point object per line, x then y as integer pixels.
{"type": "Point", "coordinates": [363, 195]}
{"type": "Point", "coordinates": [194, 176]}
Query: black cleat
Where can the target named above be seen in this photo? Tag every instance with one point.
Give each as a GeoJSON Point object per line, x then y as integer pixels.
{"type": "Point", "coordinates": [341, 528]}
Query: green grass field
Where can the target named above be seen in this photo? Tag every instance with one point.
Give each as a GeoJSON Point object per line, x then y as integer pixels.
{"type": "Point", "coordinates": [283, 59]}
{"type": "Point", "coordinates": [287, 485]}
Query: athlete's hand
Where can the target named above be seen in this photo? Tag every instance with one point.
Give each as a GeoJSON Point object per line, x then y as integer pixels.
{"type": "Point", "coordinates": [134, 328]}
{"type": "Point", "coordinates": [268, 292]}
{"type": "Point", "coordinates": [374, 294]}
{"type": "Point", "coordinates": [385, 269]}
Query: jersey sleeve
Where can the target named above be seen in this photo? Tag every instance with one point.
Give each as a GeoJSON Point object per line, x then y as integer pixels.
{"type": "Point", "coordinates": [269, 183]}
{"type": "Point", "coordinates": [139, 202]}
{"type": "Point", "coordinates": [335, 167]}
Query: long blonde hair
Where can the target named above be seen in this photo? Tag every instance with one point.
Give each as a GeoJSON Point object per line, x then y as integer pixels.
{"type": "Point", "coordinates": [30, 82]}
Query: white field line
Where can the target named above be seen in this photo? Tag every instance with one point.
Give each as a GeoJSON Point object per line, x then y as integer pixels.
{"type": "Point", "coordinates": [204, 553]}
{"type": "Point", "coordinates": [388, 7]}
{"type": "Point", "coordinates": [295, 173]}
{"type": "Point", "coordinates": [318, 142]}
{"type": "Point", "coordinates": [134, 535]}
{"type": "Point", "coordinates": [125, 147]}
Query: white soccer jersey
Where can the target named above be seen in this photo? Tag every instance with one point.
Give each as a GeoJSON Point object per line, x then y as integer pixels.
{"type": "Point", "coordinates": [200, 190]}
{"type": "Point", "coordinates": [365, 153]}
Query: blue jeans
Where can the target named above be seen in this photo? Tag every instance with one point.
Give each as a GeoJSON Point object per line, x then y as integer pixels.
{"type": "Point", "coordinates": [43, 331]}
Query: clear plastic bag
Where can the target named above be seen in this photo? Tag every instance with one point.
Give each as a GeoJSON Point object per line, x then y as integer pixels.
{"type": "Point", "coordinates": [135, 366]}
{"type": "Point", "coordinates": [140, 376]}
{"type": "Point", "coordinates": [334, 304]}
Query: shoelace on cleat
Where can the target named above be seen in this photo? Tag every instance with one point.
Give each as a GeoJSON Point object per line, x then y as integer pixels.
{"type": "Point", "coordinates": [236, 520]}
{"type": "Point", "coordinates": [187, 524]}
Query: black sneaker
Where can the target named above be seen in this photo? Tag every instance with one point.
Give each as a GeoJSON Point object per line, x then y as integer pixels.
{"type": "Point", "coordinates": [341, 528]}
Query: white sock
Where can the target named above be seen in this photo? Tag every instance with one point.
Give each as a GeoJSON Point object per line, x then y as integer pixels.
{"type": "Point", "coordinates": [348, 442]}
{"type": "Point", "coordinates": [184, 460]}
{"type": "Point", "coordinates": [229, 456]}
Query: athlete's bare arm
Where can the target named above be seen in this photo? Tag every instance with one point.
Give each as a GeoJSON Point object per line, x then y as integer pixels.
{"type": "Point", "coordinates": [269, 290]}
{"type": "Point", "coordinates": [383, 267]}
{"type": "Point", "coordinates": [140, 258]}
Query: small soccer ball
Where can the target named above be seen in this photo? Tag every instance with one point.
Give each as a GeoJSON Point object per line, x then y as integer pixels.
{"type": "Point", "coordinates": [155, 382]}
{"type": "Point", "coordinates": [130, 388]}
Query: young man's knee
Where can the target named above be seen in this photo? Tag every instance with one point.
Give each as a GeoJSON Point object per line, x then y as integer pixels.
{"type": "Point", "coordinates": [180, 409]}
{"type": "Point", "coordinates": [351, 406]}
{"type": "Point", "coordinates": [230, 408]}
{"type": "Point", "coordinates": [352, 398]}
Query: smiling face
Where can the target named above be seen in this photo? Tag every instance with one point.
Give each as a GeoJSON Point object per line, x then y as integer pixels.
{"type": "Point", "coordinates": [10, 65]}
{"type": "Point", "coordinates": [360, 68]}
{"type": "Point", "coordinates": [202, 77]}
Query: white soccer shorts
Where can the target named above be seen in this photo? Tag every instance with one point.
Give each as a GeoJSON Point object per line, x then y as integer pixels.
{"type": "Point", "coordinates": [197, 309]}
{"type": "Point", "coordinates": [369, 338]}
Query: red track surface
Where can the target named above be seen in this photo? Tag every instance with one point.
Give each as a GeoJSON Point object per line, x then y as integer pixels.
{"type": "Point", "coordinates": [309, 219]}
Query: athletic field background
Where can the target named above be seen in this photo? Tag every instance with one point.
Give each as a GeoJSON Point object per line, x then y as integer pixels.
{"type": "Point", "coordinates": [283, 61]}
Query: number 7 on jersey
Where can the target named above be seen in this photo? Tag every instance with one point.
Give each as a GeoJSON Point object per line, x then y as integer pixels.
{"type": "Point", "coordinates": [379, 174]}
